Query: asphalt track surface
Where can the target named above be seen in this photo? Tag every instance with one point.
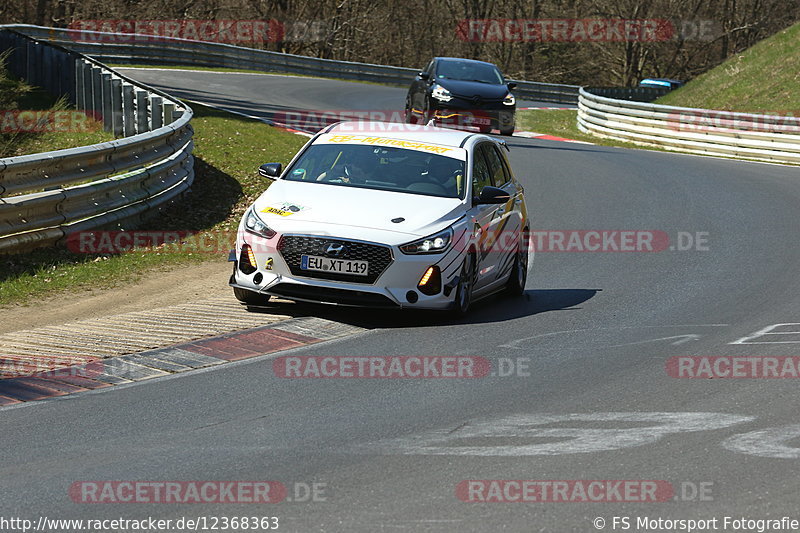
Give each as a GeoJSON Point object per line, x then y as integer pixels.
{"type": "Point", "coordinates": [595, 402]}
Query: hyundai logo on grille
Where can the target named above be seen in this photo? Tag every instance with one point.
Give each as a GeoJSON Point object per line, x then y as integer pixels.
{"type": "Point", "coordinates": [334, 249]}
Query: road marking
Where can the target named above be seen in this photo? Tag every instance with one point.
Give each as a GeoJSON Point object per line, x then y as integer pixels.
{"type": "Point", "coordinates": [569, 439]}
{"type": "Point", "coordinates": [682, 339]}
{"type": "Point", "coordinates": [514, 345]}
{"type": "Point", "coordinates": [766, 443]}
{"type": "Point", "coordinates": [769, 331]}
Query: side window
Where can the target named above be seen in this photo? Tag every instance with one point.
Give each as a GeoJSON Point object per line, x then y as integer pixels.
{"type": "Point", "coordinates": [506, 165]}
{"type": "Point", "coordinates": [481, 176]}
{"type": "Point", "coordinates": [496, 167]}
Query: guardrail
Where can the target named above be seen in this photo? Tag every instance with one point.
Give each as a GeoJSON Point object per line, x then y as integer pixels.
{"type": "Point", "coordinates": [46, 196]}
{"type": "Point", "coordinates": [637, 94]}
{"type": "Point", "coordinates": [148, 49]}
{"type": "Point", "coordinates": [702, 131]}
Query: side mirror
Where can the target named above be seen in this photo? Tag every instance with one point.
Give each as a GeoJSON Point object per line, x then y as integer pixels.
{"type": "Point", "coordinates": [270, 170]}
{"type": "Point", "coordinates": [423, 75]}
{"type": "Point", "coordinates": [511, 85]}
{"type": "Point", "coordinates": [493, 195]}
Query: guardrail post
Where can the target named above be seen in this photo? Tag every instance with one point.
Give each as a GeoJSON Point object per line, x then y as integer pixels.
{"type": "Point", "coordinates": [169, 113]}
{"type": "Point", "coordinates": [108, 125]}
{"type": "Point", "coordinates": [157, 112]}
{"type": "Point", "coordinates": [30, 61]}
{"type": "Point", "coordinates": [49, 70]}
{"type": "Point", "coordinates": [97, 91]}
{"type": "Point", "coordinates": [116, 107]}
{"type": "Point", "coordinates": [142, 107]}
{"type": "Point", "coordinates": [128, 115]}
{"type": "Point", "coordinates": [80, 85]}
{"type": "Point", "coordinates": [43, 67]}
{"type": "Point", "coordinates": [86, 73]}
{"type": "Point", "coordinates": [70, 77]}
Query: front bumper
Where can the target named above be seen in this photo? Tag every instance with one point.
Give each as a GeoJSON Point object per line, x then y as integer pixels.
{"type": "Point", "coordinates": [464, 114]}
{"type": "Point", "coordinates": [396, 286]}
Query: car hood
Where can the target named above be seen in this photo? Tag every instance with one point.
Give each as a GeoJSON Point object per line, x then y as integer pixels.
{"type": "Point", "coordinates": [469, 89]}
{"type": "Point", "coordinates": [302, 207]}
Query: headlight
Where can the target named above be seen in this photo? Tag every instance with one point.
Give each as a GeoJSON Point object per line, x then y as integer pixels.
{"type": "Point", "coordinates": [430, 245]}
{"type": "Point", "coordinates": [254, 225]}
{"type": "Point", "coordinates": [509, 99]}
{"type": "Point", "coordinates": [440, 93]}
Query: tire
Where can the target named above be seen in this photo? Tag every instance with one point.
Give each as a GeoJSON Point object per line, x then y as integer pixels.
{"type": "Point", "coordinates": [466, 282]}
{"type": "Point", "coordinates": [515, 286]}
{"type": "Point", "coordinates": [250, 297]}
{"type": "Point", "coordinates": [507, 123]}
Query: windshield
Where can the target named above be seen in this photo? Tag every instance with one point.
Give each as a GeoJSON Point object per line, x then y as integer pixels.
{"type": "Point", "coordinates": [469, 71]}
{"type": "Point", "coordinates": [384, 168]}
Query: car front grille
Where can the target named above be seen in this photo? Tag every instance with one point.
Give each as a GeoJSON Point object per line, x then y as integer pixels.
{"type": "Point", "coordinates": [293, 247]}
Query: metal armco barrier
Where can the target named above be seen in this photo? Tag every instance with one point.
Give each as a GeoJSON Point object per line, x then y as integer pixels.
{"type": "Point", "coordinates": [46, 196]}
{"type": "Point", "coordinates": [701, 131]}
{"type": "Point", "coordinates": [147, 49]}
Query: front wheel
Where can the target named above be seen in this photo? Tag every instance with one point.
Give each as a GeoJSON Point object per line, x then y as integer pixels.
{"type": "Point", "coordinates": [250, 297]}
{"type": "Point", "coordinates": [507, 131]}
{"type": "Point", "coordinates": [466, 280]}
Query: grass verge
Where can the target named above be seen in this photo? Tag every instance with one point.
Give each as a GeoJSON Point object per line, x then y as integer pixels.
{"type": "Point", "coordinates": [562, 123]}
{"type": "Point", "coordinates": [228, 151]}
{"type": "Point", "coordinates": [762, 78]}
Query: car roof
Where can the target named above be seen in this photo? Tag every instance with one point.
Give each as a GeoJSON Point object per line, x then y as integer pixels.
{"type": "Point", "coordinates": [405, 132]}
{"type": "Point", "coordinates": [466, 60]}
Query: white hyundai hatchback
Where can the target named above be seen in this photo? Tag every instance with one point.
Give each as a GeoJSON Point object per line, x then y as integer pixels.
{"type": "Point", "coordinates": [386, 215]}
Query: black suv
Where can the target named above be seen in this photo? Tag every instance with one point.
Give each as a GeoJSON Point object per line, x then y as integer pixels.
{"type": "Point", "coordinates": [462, 92]}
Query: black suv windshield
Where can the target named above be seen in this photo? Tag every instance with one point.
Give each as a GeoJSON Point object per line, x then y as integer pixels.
{"type": "Point", "coordinates": [469, 71]}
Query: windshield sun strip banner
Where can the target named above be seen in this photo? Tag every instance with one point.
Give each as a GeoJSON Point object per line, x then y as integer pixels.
{"type": "Point", "coordinates": [448, 151]}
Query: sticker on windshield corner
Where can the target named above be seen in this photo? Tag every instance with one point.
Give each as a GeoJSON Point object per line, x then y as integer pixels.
{"type": "Point", "coordinates": [284, 209]}
{"type": "Point", "coordinates": [269, 264]}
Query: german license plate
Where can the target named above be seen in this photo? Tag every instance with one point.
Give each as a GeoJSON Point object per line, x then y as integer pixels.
{"type": "Point", "coordinates": [337, 266]}
{"type": "Point", "coordinates": [481, 121]}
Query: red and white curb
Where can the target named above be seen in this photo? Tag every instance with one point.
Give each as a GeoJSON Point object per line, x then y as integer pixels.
{"type": "Point", "coordinates": [174, 359]}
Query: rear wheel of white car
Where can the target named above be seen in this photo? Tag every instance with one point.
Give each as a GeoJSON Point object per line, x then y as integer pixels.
{"type": "Point", "coordinates": [515, 286]}
{"type": "Point", "coordinates": [466, 281]}
{"type": "Point", "coordinates": [250, 297]}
